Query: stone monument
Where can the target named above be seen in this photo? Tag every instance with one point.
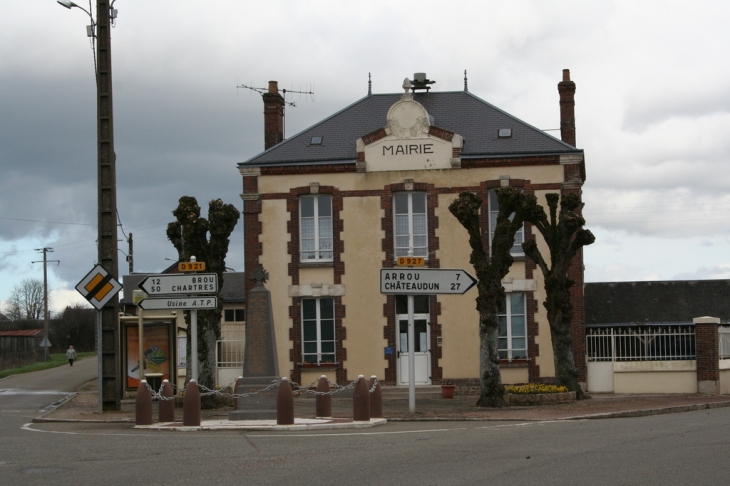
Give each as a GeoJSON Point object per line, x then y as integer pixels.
{"type": "Point", "coordinates": [260, 364]}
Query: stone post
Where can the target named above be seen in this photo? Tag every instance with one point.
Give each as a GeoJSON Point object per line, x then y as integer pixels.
{"type": "Point", "coordinates": [376, 398]}
{"type": "Point", "coordinates": [285, 403]}
{"type": "Point", "coordinates": [143, 405]}
{"type": "Point", "coordinates": [323, 402]}
{"type": "Point", "coordinates": [191, 405]}
{"type": "Point", "coordinates": [361, 401]}
{"type": "Point", "coordinates": [166, 405]}
{"type": "Point", "coordinates": [707, 352]}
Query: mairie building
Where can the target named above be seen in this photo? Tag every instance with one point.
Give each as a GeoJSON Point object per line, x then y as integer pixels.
{"type": "Point", "coordinates": [327, 209]}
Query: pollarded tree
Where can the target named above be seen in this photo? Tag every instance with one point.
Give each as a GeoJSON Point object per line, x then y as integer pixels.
{"type": "Point", "coordinates": [207, 240]}
{"type": "Point", "coordinates": [564, 235]}
{"type": "Point", "coordinates": [490, 270]}
{"type": "Point", "coordinates": [26, 301]}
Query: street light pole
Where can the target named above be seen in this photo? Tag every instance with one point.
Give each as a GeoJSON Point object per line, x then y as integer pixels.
{"type": "Point", "coordinates": [108, 353]}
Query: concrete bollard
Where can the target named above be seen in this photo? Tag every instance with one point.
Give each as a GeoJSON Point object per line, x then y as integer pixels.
{"type": "Point", "coordinates": [239, 380]}
{"type": "Point", "coordinates": [166, 405]}
{"type": "Point", "coordinates": [285, 403]}
{"type": "Point", "coordinates": [143, 405]}
{"type": "Point", "coordinates": [324, 402]}
{"type": "Point", "coordinates": [191, 405]}
{"type": "Point", "coordinates": [361, 401]}
{"type": "Point", "coordinates": [376, 398]}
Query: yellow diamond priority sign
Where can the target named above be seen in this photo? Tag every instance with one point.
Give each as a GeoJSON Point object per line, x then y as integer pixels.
{"type": "Point", "coordinates": [98, 287]}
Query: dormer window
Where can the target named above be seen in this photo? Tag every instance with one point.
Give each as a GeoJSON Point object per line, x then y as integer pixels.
{"type": "Point", "coordinates": [504, 133]}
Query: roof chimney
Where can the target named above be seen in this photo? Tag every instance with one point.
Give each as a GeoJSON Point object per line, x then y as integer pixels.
{"type": "Point", "coordinates": [273, 116]}
{"type": "Point", "coordinates": [566, 88]}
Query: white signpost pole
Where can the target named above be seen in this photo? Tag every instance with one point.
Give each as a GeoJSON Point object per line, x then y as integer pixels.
{"type": "Point", "coordinates": [411, 354]}
{"type": "Point", "coordinates": [411, 358]}
{"type": "Point", "coordinates": [194, 345]}
{"type": "Point", "coordinates": [140, 343]}
{"type": "Point", "coordinates": [194, 340]}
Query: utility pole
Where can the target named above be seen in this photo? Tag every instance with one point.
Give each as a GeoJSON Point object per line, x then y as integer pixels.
{"type": "Point", "coordinates": [107, 197]}
{"type": "Point", "coordinates": [45, 260]}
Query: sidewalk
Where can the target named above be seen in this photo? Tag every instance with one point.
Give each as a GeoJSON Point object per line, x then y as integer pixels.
{"type": "Point", "coordinates": [84, 407]}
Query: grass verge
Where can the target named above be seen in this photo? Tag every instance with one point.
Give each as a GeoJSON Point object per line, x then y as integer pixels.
{"type": "Point", "coordinates": [54, 360]}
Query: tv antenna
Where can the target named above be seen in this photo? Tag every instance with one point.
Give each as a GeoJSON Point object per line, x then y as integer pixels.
{"type": "Point", "coordinates": [300, 92]}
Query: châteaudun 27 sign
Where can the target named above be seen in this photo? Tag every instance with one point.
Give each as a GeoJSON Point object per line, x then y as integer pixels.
{"type": "Point", "coordinates": [427, 281]}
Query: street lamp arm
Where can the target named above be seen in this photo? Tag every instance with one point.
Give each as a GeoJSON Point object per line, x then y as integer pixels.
{"type": "Point", "coordinates": [69, 5]}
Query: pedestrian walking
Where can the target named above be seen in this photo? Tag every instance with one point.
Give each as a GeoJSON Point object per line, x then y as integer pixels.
{"type": "Point", "coordinates": [71, 355]}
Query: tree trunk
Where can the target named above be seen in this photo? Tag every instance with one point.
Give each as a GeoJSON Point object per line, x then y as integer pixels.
{"type": "Point", "coordinates": [492, 390]}
{"type": "Point", "coordinates": [207, 365]}
{"type": "Point", "coordinates": [560, 316]}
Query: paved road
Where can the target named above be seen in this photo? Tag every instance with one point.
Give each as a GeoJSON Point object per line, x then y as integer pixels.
{"type": "Point", "coordinates": [688, 448]}
{"type": "Point", "coordinates": [23, 396]}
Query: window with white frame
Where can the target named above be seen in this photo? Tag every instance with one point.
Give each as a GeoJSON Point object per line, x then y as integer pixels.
{"type": "Point", "coordinates": [493, 213]}
{"type": "Point", "coordinates": [315, 227]}
{"type": "Point", "coordinates": [410, 222]}
{"type": "Point", "coordinates": [513, 327]}
{"type": "Point", "coordinates": [318, 331]}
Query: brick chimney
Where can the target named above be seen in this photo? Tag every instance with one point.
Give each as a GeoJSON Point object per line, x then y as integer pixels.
{"type": "Point", "coordinates": [566, 88]}
{"type": "Point", "coordinates": [273, 116]}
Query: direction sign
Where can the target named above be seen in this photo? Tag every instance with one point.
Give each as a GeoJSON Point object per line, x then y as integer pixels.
{"type": "Point", "coordinates": [182, 303]}
{"type": "Point", "coordinates": [427, 281]}
{"type": "Point", "coordinates": [98, 287]}
{"type": "Point", "coordinates": [175, 284]}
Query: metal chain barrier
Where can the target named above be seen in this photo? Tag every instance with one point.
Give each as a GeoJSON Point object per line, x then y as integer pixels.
{"type": "Point", "coordinates": [205, 391]}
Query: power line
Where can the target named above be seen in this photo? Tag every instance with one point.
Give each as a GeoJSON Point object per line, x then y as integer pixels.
{"type": "Point", "coordinates": [49, 222]}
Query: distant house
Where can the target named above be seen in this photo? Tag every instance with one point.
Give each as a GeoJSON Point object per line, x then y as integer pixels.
{"type": "Point", "coordinates": [22, 344]}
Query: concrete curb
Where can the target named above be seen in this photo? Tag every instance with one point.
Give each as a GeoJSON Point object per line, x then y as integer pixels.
{"type": "Point", "coordinates": [253, 426]}
{"type": "Point", "coordinates": [608, 415]}
{"type": "Point", "coordinates": [651, 411]}
{"type": "Point", "coordinates": [53, 406]}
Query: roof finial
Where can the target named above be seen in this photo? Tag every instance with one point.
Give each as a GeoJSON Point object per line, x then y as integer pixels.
{"type": "Point", "coordinates": [370, 86]}
{"type": "Point", "coordinates": [466, 86]}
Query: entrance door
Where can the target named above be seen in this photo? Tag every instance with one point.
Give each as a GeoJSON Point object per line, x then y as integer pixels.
{"type": "Point", "coordinates": [422, 353]}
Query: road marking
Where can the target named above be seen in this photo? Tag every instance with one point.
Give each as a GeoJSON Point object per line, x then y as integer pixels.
{"type": "Point", "coordinates": [522, 424]}
{"type": "Point", "coordinates": [20, 391]}
{"type": "Point", "coordinates": [359, 433]}
{"type": "Point", "coordinates": [28, 427]}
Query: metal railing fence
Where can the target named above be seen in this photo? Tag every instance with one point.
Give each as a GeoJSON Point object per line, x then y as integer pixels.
{"type": "Point", "coordinates": [651, 343]}
{"type": "Point", "coordinates": [229, 353]}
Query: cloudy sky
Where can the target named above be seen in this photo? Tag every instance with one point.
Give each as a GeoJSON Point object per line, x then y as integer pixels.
{"type": "Point", "coordinates": [652, 110]}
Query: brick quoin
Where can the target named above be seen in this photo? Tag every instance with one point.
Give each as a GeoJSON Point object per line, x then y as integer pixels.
{"type": "Point", "coordinates": [577, 327]}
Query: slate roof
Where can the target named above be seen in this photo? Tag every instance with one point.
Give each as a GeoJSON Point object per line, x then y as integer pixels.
{"type": "Point", "coordinates": [656, 302]}
{"type": "Point", "coordinates": [232, 292]}
{"type": "Point", "coordinates": [458, 111]}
